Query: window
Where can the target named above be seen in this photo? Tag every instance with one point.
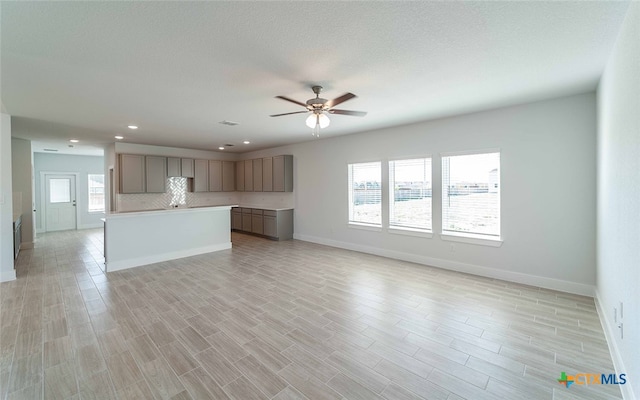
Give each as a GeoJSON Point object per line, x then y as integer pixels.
{"type": "Point", "coordinates": [59, 190]}
{"type": "Point", "coordinates": [471, 194]}
{"type": "Point", "coordinates": [96, 192]}
{"type": "Point", "coordinates": [365, 186]}
{"type": "Point", "coordinates": [410, 193]}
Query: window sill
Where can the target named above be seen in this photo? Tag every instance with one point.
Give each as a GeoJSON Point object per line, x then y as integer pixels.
{"type": "Point", "coordinates": [398, 230]}
{"type": "Point", "coordinates": [471, 239]}
{"type": "Point", "coordinates": [96, 212]}
{"type": "Point", "coordinates": [365, 227]}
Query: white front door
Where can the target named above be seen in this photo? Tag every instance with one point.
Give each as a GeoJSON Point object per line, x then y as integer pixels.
{"type": "Point", "coordinates": [60, 202]}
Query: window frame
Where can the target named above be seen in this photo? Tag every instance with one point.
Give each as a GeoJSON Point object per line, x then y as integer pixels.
{"type": "Point", "coordinates": [376, 227]}
{"type": "Point", "coordinates": [471, 237]}
{"type": "Point", "coordinates": [405, 229]}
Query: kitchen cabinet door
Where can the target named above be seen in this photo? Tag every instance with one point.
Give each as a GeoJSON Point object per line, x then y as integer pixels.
{"type": "Point", "coordinates": [257, 175]}
{"type": "Point", "coordinates": [132, 176]}
{"type": "Point", "coordinates": [215, 176]}
{"type": "Point", "coordinates": [201, 176]}
{"type": "Point", "coordinates": [187, 167]}
{"type": "Point", "coordinates": [270, 227]}
{"type": "Point", "coordinates": [174, 166]}
{"type": "Point", "coordinates": [267, 174]}
{"type": "Point", "coordinates": [248, 175]}
{"type": "Point", "coordinates": [236, 220]}
{"type": "Point", "coordinates": [228, 176]}
{"type": "Point", "coordinates": [156, 174]}
{"type": "Point", "coordinates": [283, 173]}
{"type": "Point", "coordinates": [246, 220]}
{"type": "Point", "coordinates": [240, 176]}
{"type": "Point", "coordinates": [256, 224]}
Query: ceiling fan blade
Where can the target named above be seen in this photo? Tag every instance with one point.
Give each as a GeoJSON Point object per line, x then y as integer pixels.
{"type": "Point", "coordinates": [296, 112]}
{"type": "Point", "coordinates": [341, 99]}
{"type": "Point", "coordinates": [349, 112]}
{"type": "Point", "coordinates": [292, 101]}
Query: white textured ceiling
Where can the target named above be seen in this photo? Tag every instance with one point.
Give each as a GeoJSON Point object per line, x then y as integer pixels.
{"type": "Point", "coordinates": [88, 69]}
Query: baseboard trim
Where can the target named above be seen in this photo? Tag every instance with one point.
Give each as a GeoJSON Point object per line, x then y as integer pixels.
{"type": "Point", "coordinates": [91, 226]}
{"type": "Point", "coordinates": [517, 277]}
{"type": "Point", "coordinates": [610, 335]}
{"type": "Point", "coordinates": [139, 261]}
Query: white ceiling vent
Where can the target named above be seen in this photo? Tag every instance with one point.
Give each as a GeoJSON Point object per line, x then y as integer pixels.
{"type": "Point", "coordinates": [230, 123]}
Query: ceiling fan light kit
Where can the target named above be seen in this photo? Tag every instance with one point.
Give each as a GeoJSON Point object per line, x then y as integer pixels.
{"type": "Point", "coordinates": [319, 107]}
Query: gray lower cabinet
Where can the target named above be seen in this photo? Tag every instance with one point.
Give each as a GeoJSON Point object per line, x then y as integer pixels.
{"type": "Point", "coordinates": [274, 224]}
{"type": "Point", "coordinates": [236, 219]}
{"type": "Point", "coordinates": [256, 221]}
{"type": "Point", "coordinates": [246, 219]}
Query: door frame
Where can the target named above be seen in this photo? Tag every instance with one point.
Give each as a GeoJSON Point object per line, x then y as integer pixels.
{"type": "Point", "coordinates": [43, 195]}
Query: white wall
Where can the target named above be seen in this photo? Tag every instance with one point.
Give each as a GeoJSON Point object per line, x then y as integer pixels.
{"type": "Point", "coordinates": [22, 174]}
{"type": "Point", "coordinates": [7, 272]}
{"type": "Point", "coordinates": [84, 165]}
{"type": "Point", "coordinates": [618, 264]}
{"type": "Point", "coordinates": [548, 191]}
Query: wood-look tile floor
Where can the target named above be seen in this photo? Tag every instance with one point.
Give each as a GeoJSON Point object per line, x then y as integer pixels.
{"type": "Point", "coordinates": [284, 320]}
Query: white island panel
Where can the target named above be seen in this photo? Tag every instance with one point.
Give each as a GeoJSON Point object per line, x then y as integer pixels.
{"type": "Point", "coordinates": [141, 238]}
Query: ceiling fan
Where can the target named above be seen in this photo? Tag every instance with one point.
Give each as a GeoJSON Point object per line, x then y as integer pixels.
{"type": "Point", "coordinates": [319, 108]}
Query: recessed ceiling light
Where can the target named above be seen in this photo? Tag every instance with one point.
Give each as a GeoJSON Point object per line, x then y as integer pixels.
{"type": "Point", "coordinates": [119, 137]}
{"type": "Point", "coordinates": [246, 142]}
{"type": "Point", "coordinates": [132, 127]}
{"type": "Point", "coordinates": [74, 140]}
{"type": "Point", "coordinates": [221, 148]}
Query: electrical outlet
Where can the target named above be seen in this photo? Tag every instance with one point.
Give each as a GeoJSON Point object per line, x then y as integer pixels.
{"type": "Point", "coordinates": [621, 326]}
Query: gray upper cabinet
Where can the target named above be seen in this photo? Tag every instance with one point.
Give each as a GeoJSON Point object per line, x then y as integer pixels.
{"type": "Point", "coordinates": [228, 176]}
{"type": "Point", "coordinates": [188, 168]}
{"type": "Point", "coordinates": [132, 176]}
{"type": "Point", "coordinates": [156, 174]}
{"type": "Point", "coordinates": [248, 175]}
{"type": "Point", "coordinates": [240, 176]}
{"type": "Point", "coordinates": [174, 166]}
{"type": "Point", "coordinates": [257, 175]}
{"type": "Point", "coordinates": [215, 176]}
{"type": "Point", "coordinates": [267, 174]}
{"type": "Point", "coordinates": [283, 173]}
{"type": "Point", "coordinates": [201, 176]}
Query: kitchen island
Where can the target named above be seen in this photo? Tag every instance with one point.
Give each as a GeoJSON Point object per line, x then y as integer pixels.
{"type": "Point", "coordinates": [139, 238]}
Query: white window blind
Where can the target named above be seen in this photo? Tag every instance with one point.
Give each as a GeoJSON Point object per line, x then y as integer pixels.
{"type": "Point", "coordinates": [410, 193]}
{"type": "Point", "coordinates": [365, 193]}
{"type": "Point", "coordinates": [471, 194]}
{"type": "Point", "coordinates": [96, 192]}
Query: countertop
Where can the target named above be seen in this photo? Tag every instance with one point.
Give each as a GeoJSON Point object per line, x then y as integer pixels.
{"type": "Point", "coordinates": [264, 208]}
{"type": "Point", "coordinates": [118, 214]}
